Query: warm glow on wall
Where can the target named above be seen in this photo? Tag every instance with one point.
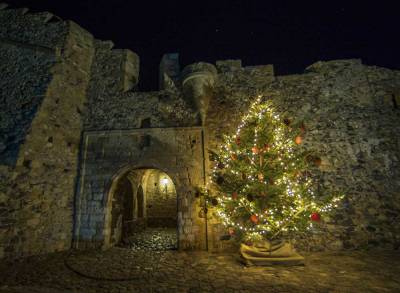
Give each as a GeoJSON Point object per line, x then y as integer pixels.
{"type": "Point", "coordinates": [164, 181]}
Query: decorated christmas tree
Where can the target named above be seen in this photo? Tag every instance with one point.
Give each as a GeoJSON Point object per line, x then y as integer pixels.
{"type": "Point", "coordinates": [264, 188]}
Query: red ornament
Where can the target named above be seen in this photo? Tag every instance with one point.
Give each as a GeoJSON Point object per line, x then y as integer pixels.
{"type": "Point", "coordinates": [255, 150]}
{"type": "Point", "coordinates": [298, 139]}
{"type": "Point", "coordinates": [254, 219]}
{"type": "Point", "coordinates": [234, 195]}
{"type": "Point", "coordinates": [315, 217]}
{"type": "Point", "coordinates": [237, 140]}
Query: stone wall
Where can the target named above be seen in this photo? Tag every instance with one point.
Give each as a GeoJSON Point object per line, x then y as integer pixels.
{"type": "Point", "coordinates": [110, 155]}
{"type": "Point", "coordinates": [112, 106]}
{"type": "Point", "coordinates": [161, 200]}
{"type": "Point", "coordinates": [350, 114]}
{"type": "Point", "coordinates": [28, 49]}
{"type": "Point", "coordinates": [57, 80]}
{"type": "Point", "coordinates": [47, 73]}
{"type": "Point", "coordinates": [130, 110]}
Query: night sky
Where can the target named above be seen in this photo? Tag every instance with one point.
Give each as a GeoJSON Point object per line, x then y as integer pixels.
{"type": "Point", "coordinates": [290, 35]}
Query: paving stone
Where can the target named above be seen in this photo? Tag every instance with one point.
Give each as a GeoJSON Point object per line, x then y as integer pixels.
{"type": "Point", "coordinates": [152, 239]}
{"type": "Point", "coordinates": [127, 270]}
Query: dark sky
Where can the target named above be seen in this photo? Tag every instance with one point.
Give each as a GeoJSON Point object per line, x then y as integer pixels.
{"type": "Point", "coordinates": [290, 35]}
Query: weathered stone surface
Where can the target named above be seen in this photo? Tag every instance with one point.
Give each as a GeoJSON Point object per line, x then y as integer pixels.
{"type": "Point", "coordinates": [152, 239]}
{"type": "Point", "coordinates": [166, 147]}
{"type": "Point", "coordinates": [348, 126]}
{"type": "Point", "coordinates": [198, 81]}
{"type": "Point", "coordinates": [125, 270]}
{"type": "Point", "coordinates": [57, 81]}
{"type": "Point", "coordinates": [40, 126]}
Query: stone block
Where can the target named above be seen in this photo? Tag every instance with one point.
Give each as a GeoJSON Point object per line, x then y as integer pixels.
{"type": "Point", "coordinates": [261, 71]}
{"type": "Point", "coordinates": [3, 198]}
{"type": "Point", "coordinates": [33, 222]}
{"type": "Point", "coordinates": [87, 233]}
{"type": "Point", "coordinates": [228, 65]}
{"type": "Point", "coordinates": [195, 229]}
{"type": "Point", "coordinates": [191, 239]}
{"type": "Point", "coordinates": [187, 229]}
{"type": "Point", "coordinates": [96, 218]}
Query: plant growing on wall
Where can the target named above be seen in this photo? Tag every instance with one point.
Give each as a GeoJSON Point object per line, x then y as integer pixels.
{"type": "Point", "coordinates": [263, 186]}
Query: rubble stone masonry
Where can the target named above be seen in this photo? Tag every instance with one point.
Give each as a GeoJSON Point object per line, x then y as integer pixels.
{"type": "Point", "coordinates": [72, 121]}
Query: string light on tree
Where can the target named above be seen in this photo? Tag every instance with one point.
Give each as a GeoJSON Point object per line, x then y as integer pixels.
{"type": "Point", "coordinates": [263, 187]}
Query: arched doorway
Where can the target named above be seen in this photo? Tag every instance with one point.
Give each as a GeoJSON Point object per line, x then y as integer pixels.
{"type": "Point", "coordinates": [143, 210]}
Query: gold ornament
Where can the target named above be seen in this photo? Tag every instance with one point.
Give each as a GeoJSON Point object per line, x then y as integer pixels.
{"type": "Point", "coordinates": [298, 139]}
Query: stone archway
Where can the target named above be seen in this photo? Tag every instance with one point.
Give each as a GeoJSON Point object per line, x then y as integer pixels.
{"type": "Point", "coordinates": [108, 156]}
{"type": "Point", "coordinates": [140, 201]}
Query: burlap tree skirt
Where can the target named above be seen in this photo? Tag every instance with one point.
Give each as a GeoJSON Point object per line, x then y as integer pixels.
{"type": "Point", "coordinates": [266, 254]}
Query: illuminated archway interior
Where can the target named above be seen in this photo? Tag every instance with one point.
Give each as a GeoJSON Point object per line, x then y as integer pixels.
{"type": "Point", "coordinates": [144, 210]}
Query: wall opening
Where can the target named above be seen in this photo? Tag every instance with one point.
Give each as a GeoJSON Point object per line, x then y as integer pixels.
{"type": "Point", "coordinates": [143, 210]}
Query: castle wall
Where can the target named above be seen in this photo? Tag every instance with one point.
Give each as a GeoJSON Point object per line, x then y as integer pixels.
{"type": "Point", "coordinates": [139, 109]}
{"type": "Point", "coordinates": [113, 105]}
{"type": "Point", "coordinates": [58, 81]}
{"type": "Point", "coordinates": [28, 48]}
{"type": "Point", "coordinates": [37, 192]}
{"type": "Point", "coordinates": [109, 155]}
{"type": "Point", "coordinates": [351, 125]}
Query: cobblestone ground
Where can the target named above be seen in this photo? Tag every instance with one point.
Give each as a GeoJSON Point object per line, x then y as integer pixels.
{"type": "Point", "coordinates": [152, 239]}
{"type": "Point", "coordinates": [126, 270]}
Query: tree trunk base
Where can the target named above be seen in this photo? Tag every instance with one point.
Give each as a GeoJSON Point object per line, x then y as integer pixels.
{"type": "Point", "coordinates": [268, 254]}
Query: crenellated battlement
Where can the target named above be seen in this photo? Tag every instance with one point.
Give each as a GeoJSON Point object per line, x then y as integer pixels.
{"type": "Point", "coordinates": [72, 120]}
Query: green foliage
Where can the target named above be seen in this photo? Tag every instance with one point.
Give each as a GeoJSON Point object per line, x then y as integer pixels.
{"type": "Point", "coordinates": [260, 174]}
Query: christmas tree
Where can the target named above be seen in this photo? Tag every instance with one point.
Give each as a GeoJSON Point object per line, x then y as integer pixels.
{"type": "Point", "coordinates": [263, 186]}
